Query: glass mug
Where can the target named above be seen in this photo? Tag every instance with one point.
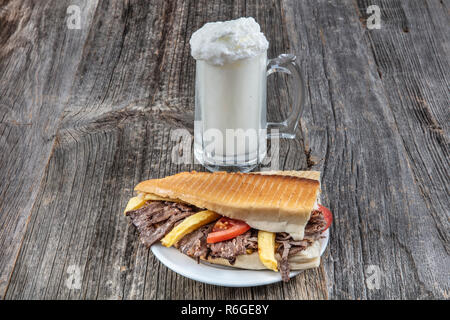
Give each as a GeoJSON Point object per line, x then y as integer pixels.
{"type": "Point", "coordinates": [231, 128]}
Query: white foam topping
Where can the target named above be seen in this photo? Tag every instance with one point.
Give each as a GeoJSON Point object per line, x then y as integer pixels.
{"type": "Point", "coordinates": [219, 43]}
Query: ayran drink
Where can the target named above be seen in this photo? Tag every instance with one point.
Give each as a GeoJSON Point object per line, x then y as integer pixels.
{"type": "Point", "coordinates": [230, 128]}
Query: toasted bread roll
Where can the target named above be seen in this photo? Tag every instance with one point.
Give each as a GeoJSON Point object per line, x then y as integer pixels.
{"type": "Point", "coordinates": [309, 258]}
{"type": "Point", "coordinates": [270, 201]}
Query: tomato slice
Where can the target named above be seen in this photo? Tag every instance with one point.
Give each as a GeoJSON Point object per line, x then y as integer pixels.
{"type": "Point", "coordinates": [328, 216]}
{"type": "Point", "coordinates": [226, 229]}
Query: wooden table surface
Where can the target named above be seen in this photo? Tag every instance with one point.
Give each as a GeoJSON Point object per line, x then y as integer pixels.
{"type": "Point", "coordinates": [87, 113]}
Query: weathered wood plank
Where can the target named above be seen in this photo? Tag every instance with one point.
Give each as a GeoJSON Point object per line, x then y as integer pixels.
{"type": "Point", "coordinates": [416, 87]}
{"type": "Point", "coordinates": [381, 216]}
{"type": "Point", "coordinates": [37, 66]}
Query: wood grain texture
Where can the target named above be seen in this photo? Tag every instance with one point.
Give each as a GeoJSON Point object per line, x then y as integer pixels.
{"type": "Point", "coordinates": [37, 66]}
{"type": "Point", "coordinates": [87, 114]}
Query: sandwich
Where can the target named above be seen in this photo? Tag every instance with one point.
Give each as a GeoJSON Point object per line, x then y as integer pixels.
{"type": "Point", "coordinates": [265, 220]}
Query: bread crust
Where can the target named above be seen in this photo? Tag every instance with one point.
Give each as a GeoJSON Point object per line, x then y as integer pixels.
{"type": "Point", "coordinates": [309, 258]}
{"type": "Point", "coordinates": [252, 264]}
{"type": "Point", "coordinates": [277, 201]}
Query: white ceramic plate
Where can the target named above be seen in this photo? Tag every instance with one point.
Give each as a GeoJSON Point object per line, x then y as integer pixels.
{"type": "Point", "coordinates": [220, 275]}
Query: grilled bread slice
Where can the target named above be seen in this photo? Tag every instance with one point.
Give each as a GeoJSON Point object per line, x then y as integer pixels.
{"type": "Point", "coordinates": [306, 259]}
{"type": "Point", "coordinates": [277, 201]}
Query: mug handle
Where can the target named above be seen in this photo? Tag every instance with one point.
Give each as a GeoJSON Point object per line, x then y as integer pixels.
{"type": "Point", "coordinates": [285, 63]}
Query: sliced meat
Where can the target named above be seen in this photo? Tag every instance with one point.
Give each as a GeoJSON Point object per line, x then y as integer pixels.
{"type": "Point", "coordinates": [194, 244]}
{"type": "Point", "coordinates": [252, 241]}
{"type": "Point", "coordinates": [162, 215]}
{"type": "Point", "coordinates": [164, 228]}
{"type": "Point", "coordinates": [156, 219]}
{"type": "Point", "coordinates": [297, 249]}
{"type": "Point", "coordinates": [313, 231]}
{"type": "Point", "coordinates": [148, 210]}
{"type": "Point", "coordinates": [232, 248]}
{"type": "Point", "coordinates": [316, 223]}
{"type": "Point", "coordinates": [283, 263]}
{"type": "Point", "coordinates": [283, 236]}
{"type": "Point", "coordinates": [288, 247]}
